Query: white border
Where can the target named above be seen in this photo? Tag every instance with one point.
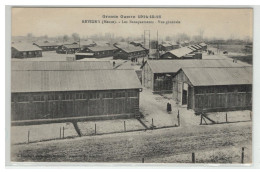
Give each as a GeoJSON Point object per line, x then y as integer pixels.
{"type": "Point", "coordinates": [6, 70]}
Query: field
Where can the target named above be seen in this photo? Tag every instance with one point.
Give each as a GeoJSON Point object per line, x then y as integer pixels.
{"type": "Point", "coordinates": [236, 52]}
{"type": "Point", "coordinates": [173, 145]}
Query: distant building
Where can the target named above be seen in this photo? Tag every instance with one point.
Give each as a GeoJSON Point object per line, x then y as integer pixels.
{"type": "Point", "coordinates": [137, 43]}
{"type": "Point", "coordinates": [165, 47]}
{"type": "Point", "coordinates": [24, 50]}
{"type": "Point", "coordinates": [181, 53]}
{"type": "Point", "coordinates": [68, 49]}
{"type": "Point", "coordinates": [157, 74]}
{"type": "Point", "coordinates": [214, 89]}
{"type": "Point", "coordinates": [88, 94]}
{"type": "Point", "coordinates": [46, 46]}
{"type": "Point", "coordinates": [130, 52]}
{"type": "Point", "coordinates": [101, 51]}
{"type": "Point", "coordinates": [204, 46]}
{"type": "Point", "coordinates": [60, 65]}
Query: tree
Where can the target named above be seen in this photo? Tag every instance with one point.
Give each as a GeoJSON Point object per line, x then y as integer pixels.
{"type": "Point", "coordinates": [75, 36]}
{"type": "Point", "coordinates": [29, 35]}
{"type": "Point", "coordinates": [65, 38]}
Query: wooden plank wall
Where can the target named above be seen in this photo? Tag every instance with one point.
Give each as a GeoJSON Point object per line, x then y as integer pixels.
{"type": "Point", "coordinates": [72, 106]}
{"type": "Point", "coordinates": [223, 100]}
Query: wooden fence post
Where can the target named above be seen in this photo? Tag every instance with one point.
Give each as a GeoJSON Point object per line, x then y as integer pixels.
{"type": "Point", "coordinates": [178, 116]}
{"type": "Point", "coordinates": [226, 117]}
{"type": "Point", "coordinates": [200, 119]}
{"type": "Point", "coordinates": [60, 132]}
{"type": "Point", "coordinates": [95, 129]}
{"type": "Point", "coordinates": [142, 160]}
{"type": "Point", "coordinates": [242, 156]}
{"type": "Point", "coordinates": [28, 141]}
{"type": "Point", "coordinates": [193, 157]}
{"type": "Point", "coordinates": [124, 127]}
{"type": "Point", "coordinates": [250, 115]}
{"type": "Point", "coordinates": [152, 123]}
{"type": "Point", "coordinates": [63, 132]}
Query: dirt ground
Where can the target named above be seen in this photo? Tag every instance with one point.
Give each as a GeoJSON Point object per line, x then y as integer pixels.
{"type": "Point", "coordinates": [19, 134]}
{"type": "Point", "coordinates": [109, 126]}
{"type": "Point", "coordinates": [159, 146]}
{"type": "Point", "coordinates": [153, 106]}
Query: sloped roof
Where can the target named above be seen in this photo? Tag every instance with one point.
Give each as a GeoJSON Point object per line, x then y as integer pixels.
{"type": "Point", "coordinates": [219, 76]}
{"type": "Point", "coordinates": [60, 65]}
{"type": "Point", "coordinates": [130, 48]}
{"type": "Point", "coordinates": [180, 52]}
{"type": "Point", "coordinates": [166, 45]}
{"type": "Point", "coordinates": [102, 48]}
{"type": "Point", "coordinates": [26, 47]}
{"type": "Point", "coordinates": [86, 42]}
{"type": "Point", "coordinates": [69, 46]}
{"type": "Point", "coordinates": [172, 66]}
{"type": "Point", "coordinates": [44, 81]}
{"type": "Point", "coordinates": [203, 44]}
{"type": "Point", "coordinates": [193, 49]}
{"type": "Point", "coordinates": [46, 44]}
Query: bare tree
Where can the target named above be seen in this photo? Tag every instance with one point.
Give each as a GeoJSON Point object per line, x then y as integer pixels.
{"type": "Point", "coordinates": [65, 38]}
{"type": "Point", "coordinates": [75, 36]}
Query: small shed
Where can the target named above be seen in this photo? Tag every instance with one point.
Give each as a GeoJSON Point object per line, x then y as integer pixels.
{"type": "Point", "coordinates": [25, 50]}
{"type": "Point", "coordinates": [214, 89]}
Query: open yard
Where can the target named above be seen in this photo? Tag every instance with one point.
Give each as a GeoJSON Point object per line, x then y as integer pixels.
{"type": "Point", "coordinates": [213, 144]}
{"type": "Point", "coordinates": [109, 126]}
{"type": "Point", "coordinates": [19, 134]}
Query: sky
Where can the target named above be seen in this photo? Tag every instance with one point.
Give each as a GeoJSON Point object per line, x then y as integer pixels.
{"type": "Point", "coordinates": [216, 23]}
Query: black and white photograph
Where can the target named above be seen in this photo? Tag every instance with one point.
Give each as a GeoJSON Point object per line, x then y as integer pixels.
{"type": "Point", "coordinates": [131, 85]}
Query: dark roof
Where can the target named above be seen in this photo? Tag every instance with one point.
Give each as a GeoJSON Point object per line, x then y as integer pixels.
{"type": "Point", "coordinates": [219, 76]}
{"type": "Point", "coordinates": [46, 44]}
{"type": "Point", "coordinates": [25, 47]}
{"type": "Point", "coordinates": [193, 49]}
{"type": "Point", "coordinates": [131, 48]}
{"type": "Point", "coordinates": [172, 66]}
{"type": "Point", "coordinates": [45, 81]}
{"type": "Point", "coordinates": [60, 65]}
{"type": "Point", "coordinates": [102, 48]}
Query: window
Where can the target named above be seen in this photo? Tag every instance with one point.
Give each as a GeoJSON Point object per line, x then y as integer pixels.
{"type": "Point", "coordinates": [107, 95]}
{"type": "Point", "coordinates": [94, 96]}
{"type": "Point", "coordinates": [23, 98]}
{"type": "Point", "coordinates": [120, 94]}
{"type": "Point", "coordinates": [67, 97]}
{"type": "Point", "coordinates": [53, 97]}
{"type": "Point", "coordinates": [24, 53]}
{"type": "Point", "coordinates": [132, 94]}
{"type": "Point", "coordinates": [38, 98]}
{"type": "Point", "coordinates": [30, 53]}
{"type": "Point", "coordinates": [80, 96]}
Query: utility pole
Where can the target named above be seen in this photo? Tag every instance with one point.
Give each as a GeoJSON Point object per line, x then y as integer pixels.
{"type": "Point", "coordinates": [158, 55]}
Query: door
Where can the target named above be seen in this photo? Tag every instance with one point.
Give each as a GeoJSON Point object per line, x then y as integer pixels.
{"type": "Point", "coordinates": [185, 94]}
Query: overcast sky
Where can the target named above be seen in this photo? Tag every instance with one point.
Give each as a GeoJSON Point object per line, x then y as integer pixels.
{"type": "Point", "coordinates": [219, 23]}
